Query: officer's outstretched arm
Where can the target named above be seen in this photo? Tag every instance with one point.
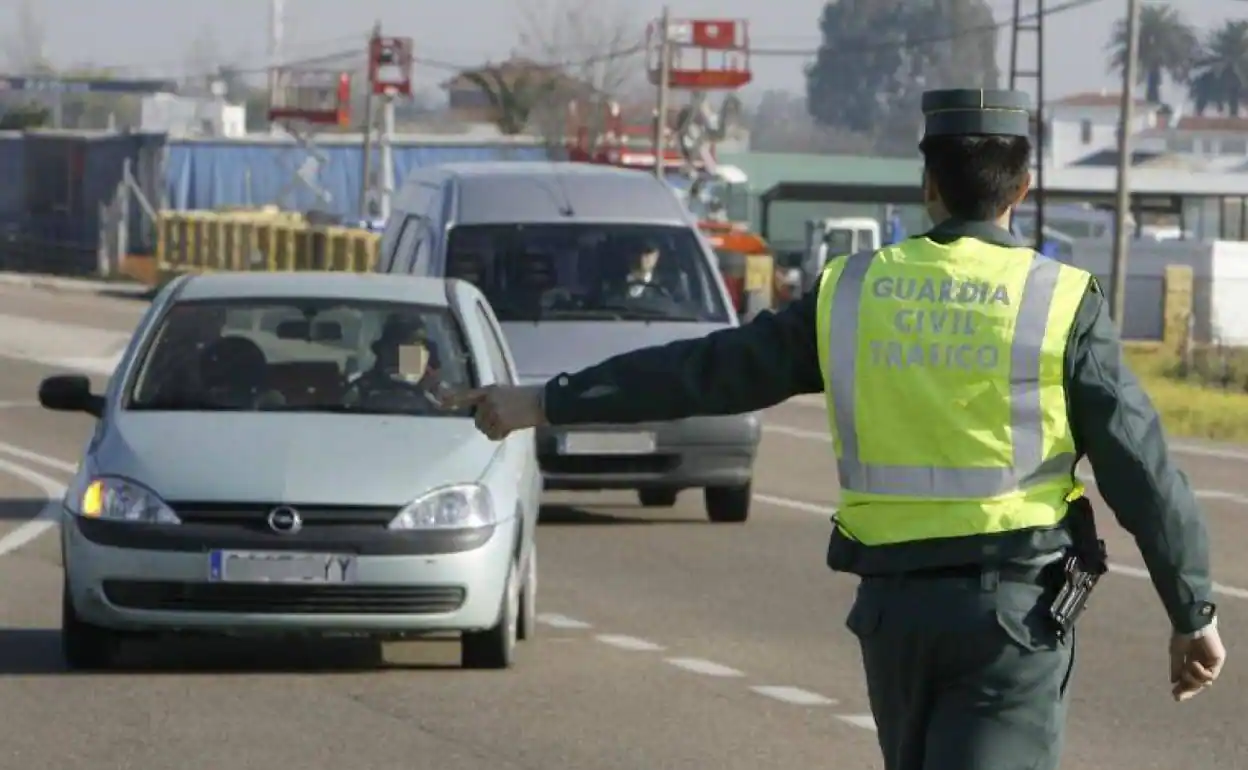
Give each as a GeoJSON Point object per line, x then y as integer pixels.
{"type": "Point", "coordinates": [756, 365]}
{"type": "Point", "coordinates": [1119, 430]}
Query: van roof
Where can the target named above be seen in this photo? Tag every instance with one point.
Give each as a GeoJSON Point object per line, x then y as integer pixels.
{"type": "Point", "coordinates": [532, 192]}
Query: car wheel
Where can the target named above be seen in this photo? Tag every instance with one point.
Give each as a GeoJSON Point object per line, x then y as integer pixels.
{"type": "Point", "coordinates": [84, 646]}
{"type": "Point", "coordinates": [495, 648]}
{"type": "Point", "coordinates": [728, 505]}
{"type": "Point", "coordinates": [657, 498]}
{"type": "Point", "coordinates": [527, 625]}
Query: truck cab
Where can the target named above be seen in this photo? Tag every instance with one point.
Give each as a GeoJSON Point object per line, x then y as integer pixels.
{"type": "Point", "coordinates": [836, 237]}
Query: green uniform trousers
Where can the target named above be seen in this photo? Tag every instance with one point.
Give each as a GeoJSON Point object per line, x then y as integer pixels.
{"type": "Point", "coordinates": [963, 673]}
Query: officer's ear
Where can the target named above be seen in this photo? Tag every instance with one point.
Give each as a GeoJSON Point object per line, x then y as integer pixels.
{"type": "Point", "coordinates": [1023, 189]}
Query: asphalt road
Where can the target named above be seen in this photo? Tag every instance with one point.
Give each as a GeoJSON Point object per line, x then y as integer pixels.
{"type": "Point", "coordinates": [667, 642]}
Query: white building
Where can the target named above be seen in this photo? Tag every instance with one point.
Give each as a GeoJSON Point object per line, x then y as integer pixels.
{"type": "Point", "coordinates": [1083, 131]}
{"type": "Point", "coordinates": [183, 116]}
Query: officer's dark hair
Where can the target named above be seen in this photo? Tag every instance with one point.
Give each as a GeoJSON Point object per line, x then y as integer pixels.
{"type": "Point", "coordinates": [978, 177]}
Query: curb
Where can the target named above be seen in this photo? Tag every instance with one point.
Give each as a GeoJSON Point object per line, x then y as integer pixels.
{"type": "Point", "coordinates": [77, 285]}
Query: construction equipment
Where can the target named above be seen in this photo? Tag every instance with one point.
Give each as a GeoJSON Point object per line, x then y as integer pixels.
{"type": "Point", "coordinates": [701, 56]}
{"type": "Point", "coordinates": [306, 101]}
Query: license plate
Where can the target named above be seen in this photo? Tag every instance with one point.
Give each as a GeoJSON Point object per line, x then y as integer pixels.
{"type": "Point", "coordinates": [279, 567]}
{"type": "Point", "coordinates": [585, 443]}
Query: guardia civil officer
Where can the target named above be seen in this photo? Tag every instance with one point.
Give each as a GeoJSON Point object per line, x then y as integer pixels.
{"type": "Point", "coordinates": [965, 375]}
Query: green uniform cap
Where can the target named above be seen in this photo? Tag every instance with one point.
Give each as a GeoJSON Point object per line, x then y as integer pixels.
{"type": "Point", "coordinates": [976, 112]}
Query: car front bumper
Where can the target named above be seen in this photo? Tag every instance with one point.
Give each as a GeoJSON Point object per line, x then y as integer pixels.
{"type": "Point", "coordinates": [165, 589]}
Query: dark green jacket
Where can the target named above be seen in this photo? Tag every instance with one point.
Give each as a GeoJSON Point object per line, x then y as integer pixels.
{"type": "Point", "coordinates": [775, 357]}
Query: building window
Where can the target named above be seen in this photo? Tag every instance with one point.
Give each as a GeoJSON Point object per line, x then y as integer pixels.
{"type": "Point", "coordinates": [1085, 131]}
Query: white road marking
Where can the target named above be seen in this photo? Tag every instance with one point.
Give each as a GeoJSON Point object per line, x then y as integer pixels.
{"type": "Point", "coordinates": [46, 519]}
{"type": "Point", "coordinates": [562, 621]}
{"type": "Point", "coordinates": [704, 667]}
{"type": "Point", "coordinates": [795, 695]}
{"type": "Point", "coordinates": [18, 404]}
{"type": "Point", "coordinates": [865, 721]}
{"type": "Point", "coordinates": [630, 643]}
{"type": "Point", "coordinates": [39, 459]}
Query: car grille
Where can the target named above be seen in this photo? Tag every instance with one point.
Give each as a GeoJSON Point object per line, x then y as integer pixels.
{"type": "Point", "coordinates": [279, 598]}
{"type": "Point", "coordinates": [256, 515]}
{"type": "Point", "coordinates": [574, 465]}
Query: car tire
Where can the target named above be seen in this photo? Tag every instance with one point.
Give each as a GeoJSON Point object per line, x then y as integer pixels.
{"type": "Point", "coordinates": [495, 647]}
{"type": "Point", "coordinates": [84, 646]}
{"type": "Point", "coordinates": [657, 498]}
{"type": "Point", "coordinates": [526, 628]}
{"type": "Point", "coordinates": [728, 505]}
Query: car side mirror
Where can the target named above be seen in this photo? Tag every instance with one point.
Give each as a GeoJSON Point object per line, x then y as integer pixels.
{"type": "Point", "coordinates": [70, 393]}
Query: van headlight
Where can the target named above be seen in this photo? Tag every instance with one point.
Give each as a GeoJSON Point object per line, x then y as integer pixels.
{"type": "Point", "coordinates": [115, 499]}
{"type": "Point", "coordinates": [462, 506]}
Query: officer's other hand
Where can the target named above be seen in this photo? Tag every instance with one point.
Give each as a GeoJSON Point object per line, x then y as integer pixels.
{"type": "Point", "coordinates": [1195, 663]}
{"type": "Point", "coordinates": [500, 410]}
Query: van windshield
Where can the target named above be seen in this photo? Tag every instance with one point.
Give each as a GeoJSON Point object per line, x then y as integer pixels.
{"type": "Point", "coordinates": [577, 272]}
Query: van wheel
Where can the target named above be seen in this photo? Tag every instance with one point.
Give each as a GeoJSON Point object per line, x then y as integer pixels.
{"type": "Point", "coordinates": [657, 498]}
{"type": "Point", "coordinates": [84, 646]}
{"type": "Point", "coordinates": [495, 647]}
{"type": "Point", "coordinates": [728, 505]}
{"type": "Point", "coordinates": [527, 625]}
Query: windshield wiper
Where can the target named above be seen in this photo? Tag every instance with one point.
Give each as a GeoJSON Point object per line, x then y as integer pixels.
{"type": "Point", "coordinates": [182, 406]}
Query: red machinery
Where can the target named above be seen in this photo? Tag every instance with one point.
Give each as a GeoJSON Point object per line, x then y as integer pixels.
{"type": "Point", "coordinates": [704, 55]}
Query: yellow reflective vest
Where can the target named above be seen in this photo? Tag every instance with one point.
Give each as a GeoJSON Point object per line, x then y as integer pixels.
{"type": "Point", "coordinates": [943, 366]}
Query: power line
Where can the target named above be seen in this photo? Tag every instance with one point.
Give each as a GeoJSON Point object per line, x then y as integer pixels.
{"type": "Point", "coordinates": [1069, 5]}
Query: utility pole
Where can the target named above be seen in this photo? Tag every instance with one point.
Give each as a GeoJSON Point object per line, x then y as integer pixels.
{"type": "Point", "coordinates": [1118, 276]}
{"type": "Point", "coordinates": [366, 160]}
{"type": "Point", "coordinates": [665, 76]}
{"type": "Point", "coordinates": [277, 33]}
{"type": "Point", "coordinates": [1036, 25]}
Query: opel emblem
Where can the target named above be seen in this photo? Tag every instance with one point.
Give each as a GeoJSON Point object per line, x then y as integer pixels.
{"type": "Point", "coordinates": [285, 520]}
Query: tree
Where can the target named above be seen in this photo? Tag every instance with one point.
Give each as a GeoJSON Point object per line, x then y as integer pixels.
{"type": "Point", "coordinates": [878, 56]}
{"type": "Point", "coordinates": [514, 93]}
{"type": "Point", "coordinates": [1168, 47]}
{"type": "Point", "coordinates": [1221, 73]}
{"type": "Point", "coordinates": [596, 44]}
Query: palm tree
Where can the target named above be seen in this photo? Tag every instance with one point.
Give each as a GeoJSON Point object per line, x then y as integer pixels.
{"type": "Point", "coordinates": [1168, 46]}
{"type": "Point", "coordinates": [1221, 72]}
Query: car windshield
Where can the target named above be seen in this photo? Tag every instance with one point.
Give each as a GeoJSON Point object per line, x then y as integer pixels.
{"type": "Point", "coordinates": [571, 272]}
{"type": "Point", "coordinates": [303, 355]}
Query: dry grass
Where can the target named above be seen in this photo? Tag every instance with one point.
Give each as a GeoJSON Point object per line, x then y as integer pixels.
{"type": "Point", "coordinates": [1208, 401]}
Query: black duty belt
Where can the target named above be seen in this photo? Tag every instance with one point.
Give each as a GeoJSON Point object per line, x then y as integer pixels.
{"type": "Point", "coordinates": [1009, 573]}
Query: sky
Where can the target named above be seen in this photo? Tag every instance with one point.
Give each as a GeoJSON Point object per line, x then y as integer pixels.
{"type": "Point", "coordinates": [157, 37]}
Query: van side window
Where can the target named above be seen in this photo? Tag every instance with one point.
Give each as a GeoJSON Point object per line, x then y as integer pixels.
{"type": "Point", "coordinates": [409, 241]}
{"type": "Point", "coordinates": [494, 349]}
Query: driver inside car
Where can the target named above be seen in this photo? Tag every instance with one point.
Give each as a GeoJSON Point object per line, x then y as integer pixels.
{"type": "Point", "coordinates": [643, 278]}
{"type": "Point", "coordinates": [405, 364]}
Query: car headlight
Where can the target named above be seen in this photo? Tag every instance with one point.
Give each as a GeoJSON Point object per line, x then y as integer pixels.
{"type": "Point", "coordinates": [116, 499]}
{"type": "Point", "coordinates": [461, 506]}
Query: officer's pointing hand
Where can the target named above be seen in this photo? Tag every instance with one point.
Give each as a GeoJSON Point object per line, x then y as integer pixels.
{"type": "Point", "coordinates": [500, 410]}
{"type": "Point", "coordinates": [1195, 663]}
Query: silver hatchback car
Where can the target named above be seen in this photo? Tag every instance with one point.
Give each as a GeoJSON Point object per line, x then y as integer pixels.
{"type": "Point", "coordinates": [275, 454]}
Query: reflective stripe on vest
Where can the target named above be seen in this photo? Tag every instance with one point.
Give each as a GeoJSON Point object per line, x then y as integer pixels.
{"type": "Point", "coordinates": [1029, 465]}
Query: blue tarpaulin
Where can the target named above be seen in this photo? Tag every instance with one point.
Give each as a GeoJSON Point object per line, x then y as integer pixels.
{"type": "Point", "coordinates": [207, 175]}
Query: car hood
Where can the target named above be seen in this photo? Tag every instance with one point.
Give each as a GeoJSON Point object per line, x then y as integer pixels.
{"type": "Point", "coordinates": [546, 348]}
{"type": "Point", "coordinates": [292, 458]}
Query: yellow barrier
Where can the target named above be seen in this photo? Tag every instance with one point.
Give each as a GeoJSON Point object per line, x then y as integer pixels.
{"type": "Point", "coordinates": [262, 241]}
